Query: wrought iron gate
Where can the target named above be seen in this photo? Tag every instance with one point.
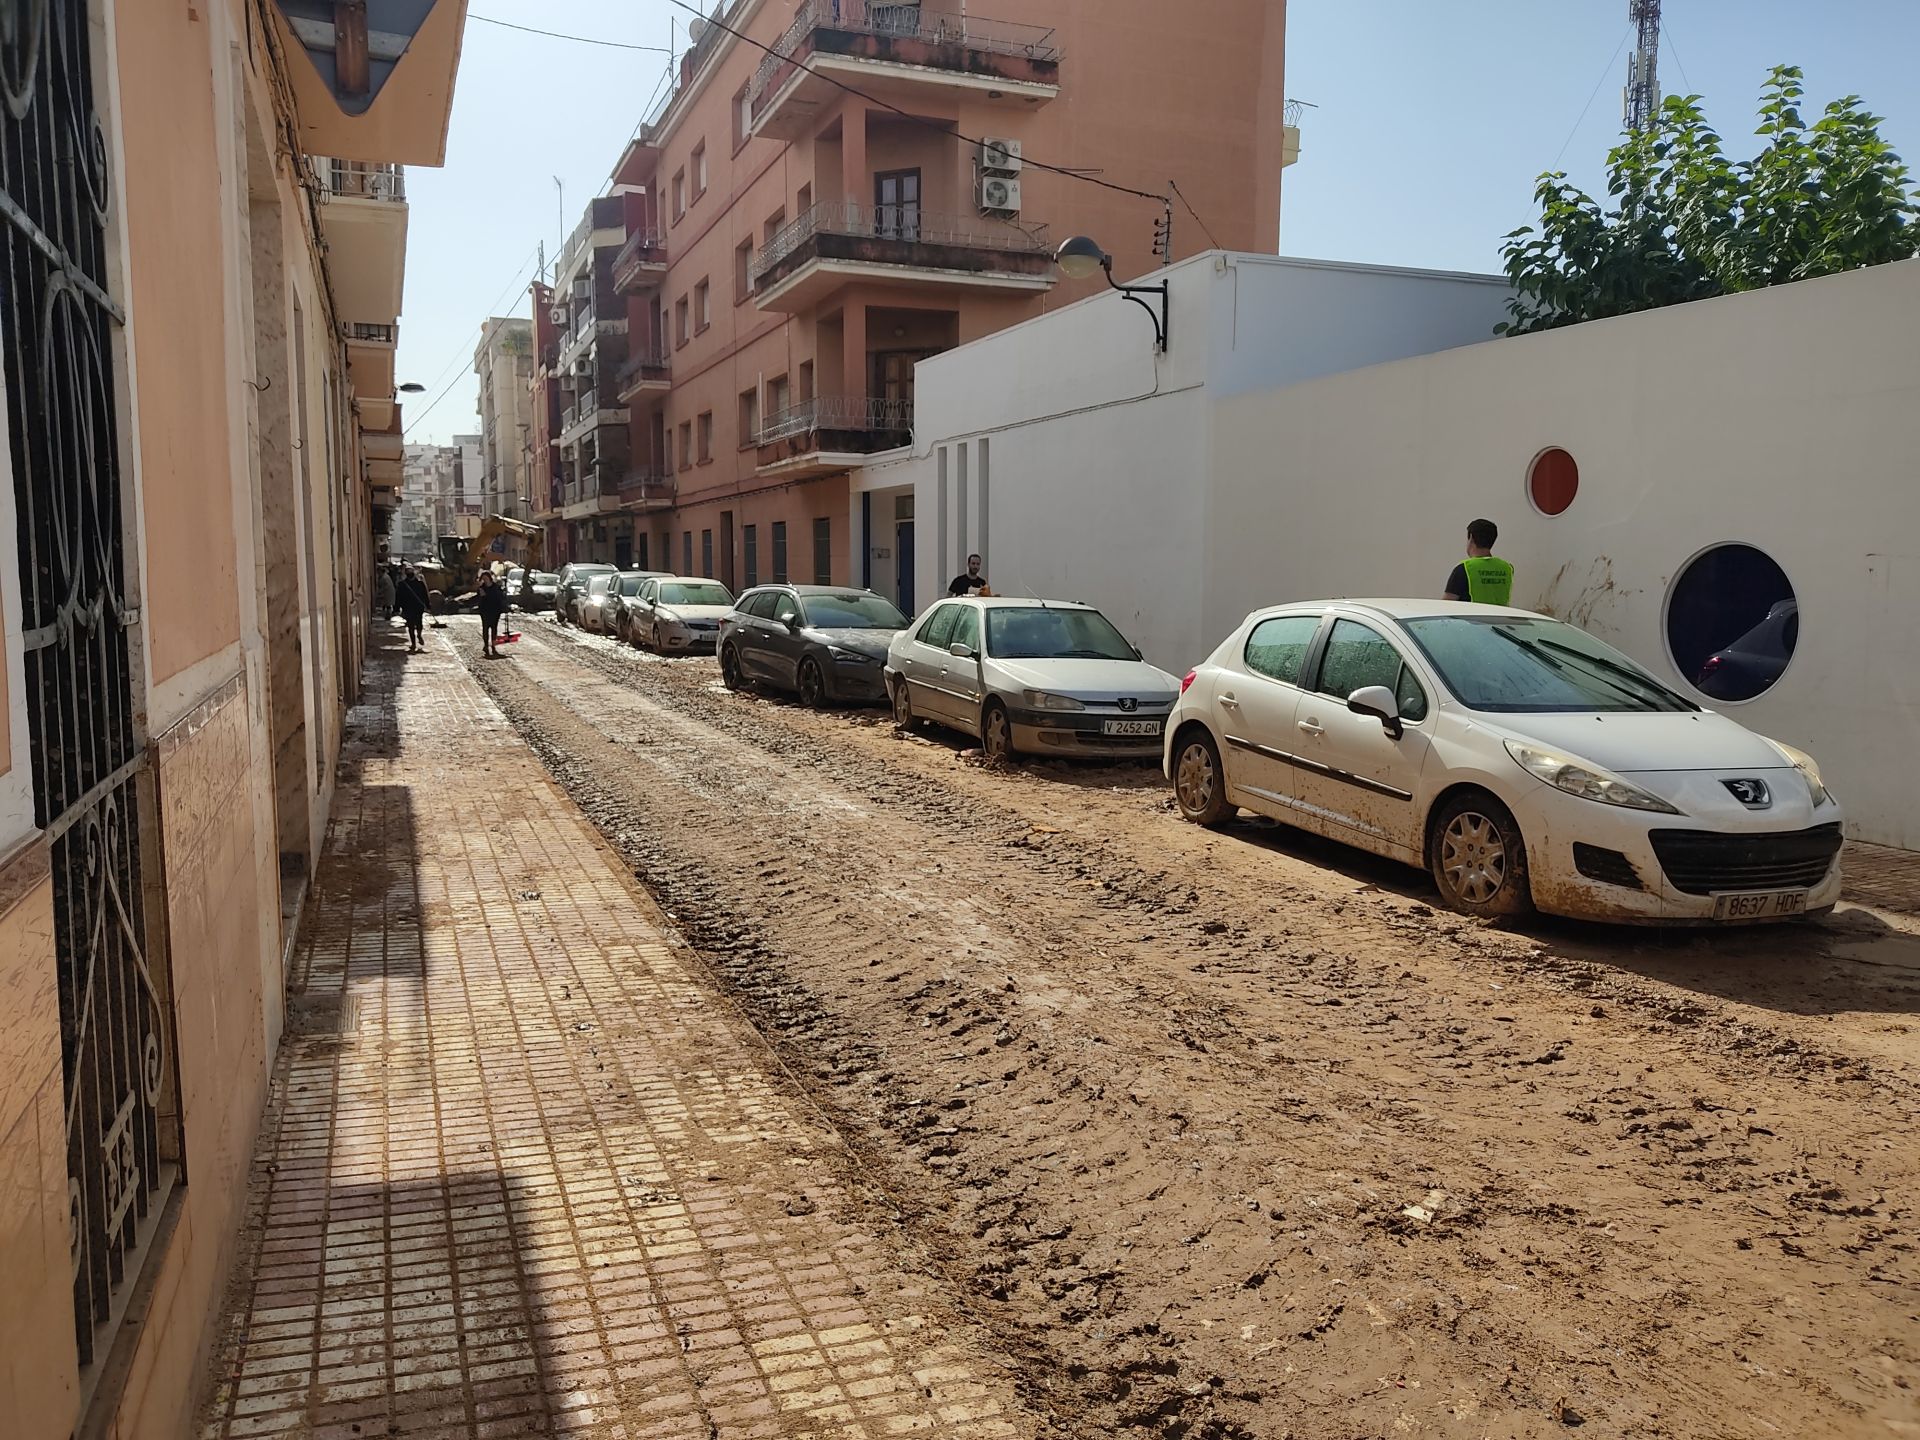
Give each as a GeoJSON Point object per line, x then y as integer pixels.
{"type": "Point", "coordinates": [58, 327]}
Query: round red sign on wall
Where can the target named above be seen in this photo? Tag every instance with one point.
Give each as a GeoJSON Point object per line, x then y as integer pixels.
{"type": "Point", "coordinates": [1553, 481]}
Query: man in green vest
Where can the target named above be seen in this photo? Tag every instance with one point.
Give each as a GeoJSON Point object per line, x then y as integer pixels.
{"type": "Point", "coordinates": [1482, 576]}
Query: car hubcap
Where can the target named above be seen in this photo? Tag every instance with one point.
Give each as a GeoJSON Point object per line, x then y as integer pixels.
{"type": "Point", "coordinates": [810, 685]}
{"type": "Point", "coordinates": [996, 733]}
{"type": "Point", "coordinates": [902, 706]}
{"type": "Point", "coordinates": [1473, 857]}
{"type": "Point", "coordinates": [1193, 779]}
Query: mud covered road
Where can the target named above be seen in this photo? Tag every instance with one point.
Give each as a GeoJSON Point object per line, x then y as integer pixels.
{"type": "Point", "coordinates": [1234, 1134]}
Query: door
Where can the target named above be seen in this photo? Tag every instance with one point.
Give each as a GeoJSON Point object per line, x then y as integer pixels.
{"type": "Point", "coordinates": [962, 679]}
{"type": "Point", "coordinates": [1256, 713]}
{"type": "Point", "coordinates": [783, 644]}
{"type": "Point", "coordinates": [755, 638]}
{"type": "Point", "coordinates": [726, 549]}
{"type": "Point", "coordinates": [896, 204]}
{"type": "Point", "coordinates": [1356, 773]}
{"type": "Point", "coordinates": [903, 565]}
{"type": "Point", "coordinates": [923, 660]}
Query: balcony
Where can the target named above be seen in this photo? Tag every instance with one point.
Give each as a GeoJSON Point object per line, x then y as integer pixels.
{"type": "Point", "coordinates": [643, 490]}
{"type": "Point", "coordinates": [895, 52]}
{"type": "Point", "coordinates": [363, 214]}
{"type": "Point", "coordinates": [641, 263]}
{"type": "Point", "coordinates": [649, 370]}
{"type": "Point", "coordinates": [588, 414]}
{"type": "Point", "coordinates": [370, 368]}
{"type": "Point", "coordinates": [831, 433]}
{"type": "Point", "coordinates": [839, 241]}
{"type": "Point", "coordinates": [583, 337]}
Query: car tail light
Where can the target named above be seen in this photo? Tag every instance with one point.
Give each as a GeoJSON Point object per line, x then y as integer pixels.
{"type": "Point", "coordinates": [1186, 680]}
{"type": "Point", "coordinates": [1713, 663]}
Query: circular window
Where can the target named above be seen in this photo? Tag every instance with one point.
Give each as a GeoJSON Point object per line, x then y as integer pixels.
{"type": "Point", "coordinates": [1553, 481]}
{"type": "Point", "coordinates": [1732, 622]}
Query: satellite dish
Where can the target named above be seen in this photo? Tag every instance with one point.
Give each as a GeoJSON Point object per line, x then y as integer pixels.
{"type": "Point", "coordinates": [697, 29]}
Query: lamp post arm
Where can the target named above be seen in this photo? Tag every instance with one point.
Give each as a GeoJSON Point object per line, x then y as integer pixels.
{"type": "Point", "coordinates": [1162, 321]}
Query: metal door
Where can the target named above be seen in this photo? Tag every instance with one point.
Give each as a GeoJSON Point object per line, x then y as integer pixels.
{"type": "Point", "coordinates": [92, 782]}
{"type": "Point", "coordinates": [903, 565]}
{"type": "Point", "coordinates": [896, 204]}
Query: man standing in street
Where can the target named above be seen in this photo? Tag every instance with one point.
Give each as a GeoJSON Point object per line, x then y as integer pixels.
{"type": "Point", "coordinates": [492, 604]}
{"type": "Point", "coordinates": [971, 583]}
{"type": "Point", "coordinates": [411, 596]}
{"type": "Point", "coordinates": [1482, 577]}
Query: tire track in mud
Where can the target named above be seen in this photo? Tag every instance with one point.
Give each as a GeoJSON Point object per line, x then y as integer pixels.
{"type": "Point", "coordinates": [1224, 1167]}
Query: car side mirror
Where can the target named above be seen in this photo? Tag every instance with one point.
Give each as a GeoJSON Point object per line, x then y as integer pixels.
{"type": "Point", "coordinates": [791, 621]}
{"type": "Point", "coordinates": [1378, 701]}
{"type": "Point", "coordinates": [1138, 653]}
{"type": "Point", "coordinates": [960, 651]}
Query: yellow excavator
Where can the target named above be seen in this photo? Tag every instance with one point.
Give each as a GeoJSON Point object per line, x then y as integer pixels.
{"type": "Point", "coordinates": [462, 560]}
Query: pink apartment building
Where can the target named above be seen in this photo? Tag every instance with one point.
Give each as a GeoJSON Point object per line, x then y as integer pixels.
{"type": "Point", "coordinates": [733, 329]}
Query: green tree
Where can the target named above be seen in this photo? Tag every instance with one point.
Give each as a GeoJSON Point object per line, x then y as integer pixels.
{"type": "Point", "coordinates": [1689, 223]}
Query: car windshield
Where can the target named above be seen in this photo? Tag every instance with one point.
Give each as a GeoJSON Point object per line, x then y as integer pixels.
{"type": "Point", "coordinates": [709, 593]}
{"type": "Point", "coordinates": [1034, 632]}
{"type": "Point", "coordinates": [601, 584]}
{"type": "Point", "coordinates": [545, 577]}
{"type": "Point", "coordinates": [630, 584]}
{"type": "Point", "coordinates": [852, 610]}
{"type": "Point", "coordinates": [1522, 664]}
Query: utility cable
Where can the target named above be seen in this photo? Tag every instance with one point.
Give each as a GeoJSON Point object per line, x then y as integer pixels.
{"type": "Point", "coordinates": [1204, 229]}
{"type": "Point", "coordinates": [1590, 99]}
{"type": "Point", "coordinates": [432, 404]}
{"type": "Point", "coordinates": [557, 35]}
{"type": "Point", "coordinates": [1666, 34]}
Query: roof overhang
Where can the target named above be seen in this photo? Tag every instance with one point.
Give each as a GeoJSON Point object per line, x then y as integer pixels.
{"type": "Point", "coordinates": [376, 82]}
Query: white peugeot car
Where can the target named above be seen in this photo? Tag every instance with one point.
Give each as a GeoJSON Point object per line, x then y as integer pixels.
{"type": "Point", "coordinates": [1522, 761]}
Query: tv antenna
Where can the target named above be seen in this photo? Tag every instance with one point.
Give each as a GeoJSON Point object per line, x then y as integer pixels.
{"type": "Point", "coordinates": [1642, 97]}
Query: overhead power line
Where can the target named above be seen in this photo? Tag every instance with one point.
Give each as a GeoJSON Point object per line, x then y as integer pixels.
{"type": "Point", "coordinates": [519, 276]}
{"type": "Point", "coordinates": [1196, 216]}
{"type": "Point", "coordinates": [1625, 35]}
{"type": "Point", "coordinates": [576, 39]}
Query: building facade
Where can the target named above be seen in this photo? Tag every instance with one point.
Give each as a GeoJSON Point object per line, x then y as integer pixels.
{"type": "Point", "coordinates": [203, 241]}
{"type": "Point", "coordinates": [503, 364]}
{"type": "Point", "coordinates": [852, 188]}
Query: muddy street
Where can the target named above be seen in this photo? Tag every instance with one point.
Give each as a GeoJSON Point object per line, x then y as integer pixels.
{"type": "Point", "coordinates": [1235, 1133]}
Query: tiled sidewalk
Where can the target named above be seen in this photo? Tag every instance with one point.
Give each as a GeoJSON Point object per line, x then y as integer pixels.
{"type": "Point", "coordinates": [1885, 878]}
{"type": "Point", "coordinates": [524, 1173]}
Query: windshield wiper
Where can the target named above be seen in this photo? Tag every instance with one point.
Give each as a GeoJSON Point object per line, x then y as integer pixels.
{"type": "Point", "coordinates": [1561, 666]}
{"type": "Point", "coordinates": [1613, 667]}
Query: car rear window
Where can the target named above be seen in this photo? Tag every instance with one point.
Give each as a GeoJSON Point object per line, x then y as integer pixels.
{"type": "Point", "coordinates": [1278, 645]}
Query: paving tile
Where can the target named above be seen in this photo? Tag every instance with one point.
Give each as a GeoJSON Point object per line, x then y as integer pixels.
{"type": "Point", "coordinates": [527, 1192]}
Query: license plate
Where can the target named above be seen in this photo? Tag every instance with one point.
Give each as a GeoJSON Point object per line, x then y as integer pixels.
{"type": "Point", "coordinates": [1132, 727]}
{"type": "Point", "coordinates": [1760, 905]}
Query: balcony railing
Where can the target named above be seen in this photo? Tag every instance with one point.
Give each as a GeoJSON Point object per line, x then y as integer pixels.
{"type": "Point", "coordinates": [374, 334]}
{"type": "Point", "coordinates": [364, 180]}
{"type": "Point", "coordinates": [645, 486]}
{"type": "Point", "coordinates": [861, 413]}
{"type": "Point", "coordinates": [652, 363]}
{"type": "Point", "coordinates": [643, 248]}
{"type": "Point", "coordinates": [907, 224]}
{"type": "Point", "coordinates": [899, 22]}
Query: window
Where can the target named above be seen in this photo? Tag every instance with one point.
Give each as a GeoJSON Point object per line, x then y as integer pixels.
{"type": "Point", "coordinates": [680, 321]}
{"type": "Point", "coordinates": [706, 552]}
{"type": "Point", "coordinates": [786, 606]}
{"type": "Point", "coordinates": [641, 541]}
{"type": "Point", "coordinates": [742, 271]}
{"type": "Point", "coordinates": [1358, 656]}
{"type": "Point", "coordinates": [705, 431]}
{"type": "Point", "coordinates": [775, 223]}
{"type": "Point", "coordinates": [686, 444]}
{"type": "Point", "coordinates": [666, 452]}
{"type": "Point", "coordinates": [939, 626]}
{"type": "Point", "coordinates": [966, 628]}
{"type": "Point", "coordinates": [702, 306]}
{"type": "Point", "coordinates": [823, 551]}
{"type": "Point", "coordinates": [759, 606]}
{"type": "Point", "coordinates": [1552, 481]}
{"type": "Point", "coordinates": [1733, 622]}
{"type": "Point", "coordinates": [805, 201]}
{"type": "Point", "coordinates": [1277, 646]}
{"type": "Point", "coordinates": [780, 551]}
{"type": "Point", "coordinates": [686, 552]}
{"type": "Point", "coordinates": [806, 381]}
{"type": "Point", "coordinates": [749, 416]}
{"type": "Point", "coordinates": [742, 114]}
{"type": "Point", "coordinates": [779, 395]}
{"type": "Point", "coordinates": [750, 541]}
{"type": "Point", "coordinates": [679, 194]}
{"type": "Point", "coordinates": [699, 169]}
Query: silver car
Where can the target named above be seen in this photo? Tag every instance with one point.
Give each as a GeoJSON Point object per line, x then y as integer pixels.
{"type": "Point", "coordinates": [1039, 676]}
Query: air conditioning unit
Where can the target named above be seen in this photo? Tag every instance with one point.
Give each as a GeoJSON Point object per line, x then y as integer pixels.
{"type": "Point", "coordinates": [999, 193]}
{"type": "Point", "coordinates": [558, 315]}
{"type": "Point", "coordinates": [583, 367]}
{"type": "Point", "coordinates": [1000, 157]}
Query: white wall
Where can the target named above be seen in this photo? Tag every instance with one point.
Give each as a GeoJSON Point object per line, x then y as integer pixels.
{"type": "Point", "coordinates": [1784, 419]}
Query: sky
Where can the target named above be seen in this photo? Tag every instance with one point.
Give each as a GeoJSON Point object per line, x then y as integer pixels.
{"type": "Point", "coordinates": [1430, 122]}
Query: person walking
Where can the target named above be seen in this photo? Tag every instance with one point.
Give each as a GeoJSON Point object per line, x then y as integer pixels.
{"type": "Point", "coordinates": [411, 596]}
{"type": "Point", "coordinates": [383, 592]}
{"type": "Point", "coordinates": [1482, 577]}
{"type": "Point", "coordinates": [492, 604]}
{"type": "Point", "coordinates": [971, 583]}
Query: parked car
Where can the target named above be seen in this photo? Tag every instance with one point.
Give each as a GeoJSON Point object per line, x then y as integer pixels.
{"type": "Point", "coordinates": [1035, 676]}
{"type": "Point", "coordinates": [1749, 665]}
{"type": "Point", "coordinates": [616, 613]}
{"type": "Point", "coordinates": [679, 616]}
{"type": "Point", "coordinates": [540, 597]}
{"type": "Point", "coordinates": [823, 642]}
{"type": "Point", "coordinates": [590, 610]}
{"type": "Point", "coordinates": [1523, 762]}
{"type": "Point", "coordinates": [571, 588]}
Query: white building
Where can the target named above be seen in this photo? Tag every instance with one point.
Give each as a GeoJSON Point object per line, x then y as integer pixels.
{"type": "Point", "coordinates": [1722, 457]}
{"type": "Point", "coordinates": [503, 363]}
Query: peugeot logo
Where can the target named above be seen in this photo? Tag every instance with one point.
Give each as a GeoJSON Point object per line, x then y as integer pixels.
{"type": "Point", "coordinates": [1129, 704]}
{"type": "Point", "coordinates": [1750, 793]}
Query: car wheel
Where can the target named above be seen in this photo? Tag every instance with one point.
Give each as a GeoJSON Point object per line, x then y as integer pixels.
{"type": "Point", "coordinates": [730, 668]}
{"type": "Point", "coordinates": [1478, 857]}
{"type": "Point", "coordinates": [996, 732]}
{"type": "Point", "coordinates": [903, 716]}
{"type": "Point", "coordinates": [813, 685]}
{"type": "Point", "coordinates": [1199, 783]}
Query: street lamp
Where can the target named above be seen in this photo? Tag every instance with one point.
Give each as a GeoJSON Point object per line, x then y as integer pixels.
{"type": "Point", "coordinates": [1080, 255]}
{"type": "Point", "coordinates": [412, 387]}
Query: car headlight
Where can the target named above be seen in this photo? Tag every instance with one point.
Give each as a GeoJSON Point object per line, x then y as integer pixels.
{"type": "Point", "coordinates": [1589, 782]}
{"type": "Point", "coordinates": [1817, 790]}
{"type": "Point", "coordinates": [1047, 700]}
{"type": "Point", "coordinates": [848, 657]}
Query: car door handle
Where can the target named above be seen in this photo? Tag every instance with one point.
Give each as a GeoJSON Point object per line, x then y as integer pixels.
{"type": "Point", "coordinates": [1228, 701]}
{"type": "Point", "coordinates": [1312, 727]}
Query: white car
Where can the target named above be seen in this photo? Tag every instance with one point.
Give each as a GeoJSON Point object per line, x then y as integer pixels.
{"type": "Point", "coordinates": [1523, 762]}
{"type": "Point", "coordinates": [676, 616]}
{"type": "Point", "coordinates": [1040, 676]}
